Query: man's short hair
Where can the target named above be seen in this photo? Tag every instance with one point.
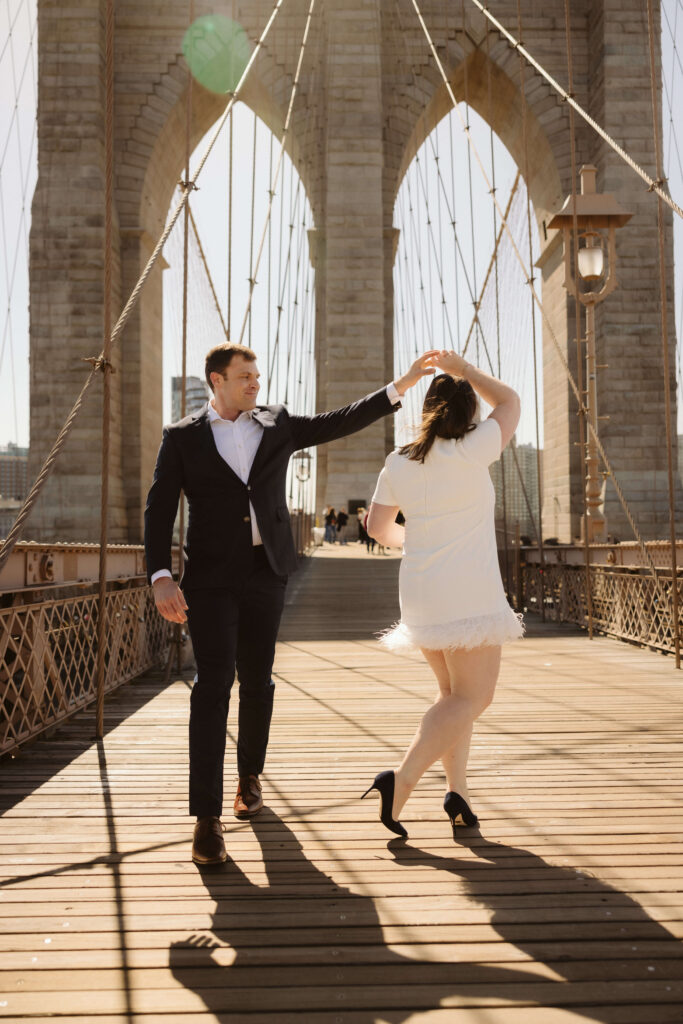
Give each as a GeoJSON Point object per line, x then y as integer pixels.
{"type": "Point", "coordinates": [220, 357]}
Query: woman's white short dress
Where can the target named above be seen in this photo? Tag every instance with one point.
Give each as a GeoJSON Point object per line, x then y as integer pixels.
{"type": "Point", "coordinates": [450, 587]}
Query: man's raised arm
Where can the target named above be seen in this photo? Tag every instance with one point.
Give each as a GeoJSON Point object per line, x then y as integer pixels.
{"type": "Point", "coordinates": [329, 426]}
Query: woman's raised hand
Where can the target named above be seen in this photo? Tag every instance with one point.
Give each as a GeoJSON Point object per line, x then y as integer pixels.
{"type": "Point", "coordinates": [422, 366]}
{"type": "Point", "coordinates": [451, 362]}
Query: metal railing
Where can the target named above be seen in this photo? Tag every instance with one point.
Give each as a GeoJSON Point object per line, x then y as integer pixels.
{"type": "Point", "coordinates": [48, 629]}
{"type": "Point", "coordinates": [627, 603]}
{"type": "Point", "coordinates": [48, 652]}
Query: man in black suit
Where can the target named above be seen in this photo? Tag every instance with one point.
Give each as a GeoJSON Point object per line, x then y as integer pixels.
{"type": "Point", "coordinates": [231, 461]}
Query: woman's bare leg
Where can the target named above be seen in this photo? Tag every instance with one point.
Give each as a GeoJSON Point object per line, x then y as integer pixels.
{"type": "Point", "coordinates": [446, 728]}
{"type": "Point", "coordinates": [455, 763]}
{"type": "Point", "coordinates": [456, 757]}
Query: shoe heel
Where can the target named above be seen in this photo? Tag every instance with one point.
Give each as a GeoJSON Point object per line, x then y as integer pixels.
{"type": "Point", "coordinates": [384, 784]}
{"type": "Point", "coordinates": [459, 812]}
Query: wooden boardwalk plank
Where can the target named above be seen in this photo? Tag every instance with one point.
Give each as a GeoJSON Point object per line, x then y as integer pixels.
{"type": "Point", "coordinates": [566, 906]}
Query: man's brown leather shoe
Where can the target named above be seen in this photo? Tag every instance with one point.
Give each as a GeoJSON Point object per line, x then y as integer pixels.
{"type": "Point", "coordinates": [249, 799]}
{"type": "Point", "coordinates": [207, 843]}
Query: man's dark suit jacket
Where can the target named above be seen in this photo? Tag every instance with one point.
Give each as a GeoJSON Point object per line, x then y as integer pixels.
{"type": "Point", "coordinates": [219, 528]}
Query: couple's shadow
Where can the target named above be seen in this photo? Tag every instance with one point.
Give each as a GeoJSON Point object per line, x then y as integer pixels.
{"type": "Point", "coordinates": [304, 944]}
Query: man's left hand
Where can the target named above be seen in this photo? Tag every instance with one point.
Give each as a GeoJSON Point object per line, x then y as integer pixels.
{"type": "Point", "coordinates": [422, 366]}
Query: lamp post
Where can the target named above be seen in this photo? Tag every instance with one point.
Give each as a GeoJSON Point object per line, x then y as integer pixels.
{"type": "Point", "coordinates": [595, 213]}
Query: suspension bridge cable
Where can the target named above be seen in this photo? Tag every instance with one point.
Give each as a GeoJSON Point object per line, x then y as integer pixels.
{"type": "Point", "coordinates": [469, 166]}
{"type": "Point", "coordinates": [489, 108]}
{"type": "Point", "coordinates": [416, 237]}
{"type": "Point", "coordinates": [17, 90]}
{"type": "Point", "coordinates": [455, 231]}
{"type": "Point", "coordinates": [275, 364]}
{"type": "Point", "coordinates": [10, 277]}
{"type": "Point", "coordinates": [293, 310]}
{"type": "Point", "coordinates": [663, 302]}
{"type": "Point", "coordinates": [513, 449]}
{"type": "Point", "coordinates": [437, 260]}
{"type": "Point", "coordinates": [458, 247]}
{"type": "Point", "coordinates": [230, 198]}
{"type": "Point", "coordinates": [653, 186]}
{"type": "Point", "coordinates": [205, 265]}
{"type": "Point", "coordinates": [493, 262]}
{"type": "Point", "coordinates": [285, 134]}
{"type": "Point", "coordinates": [252, 275]}
{"type": "Point", "coordinates": [25, 175]}
{"type": "Point", "coordinates": [270, 258]}
{"type": "Point", "coordinates": [445, 321]}
{"type": "Point", "coordinates": [525, 144]}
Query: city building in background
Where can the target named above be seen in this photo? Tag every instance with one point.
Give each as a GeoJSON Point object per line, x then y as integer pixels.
{"type": "Point", "coordinates": [196, 395]}
{"type": "Point", "coordinates": [13, 471]}
{"type": "Point", "coordinates": [13, 484]}
{"type": "Point", "coordinates": [521, 489]}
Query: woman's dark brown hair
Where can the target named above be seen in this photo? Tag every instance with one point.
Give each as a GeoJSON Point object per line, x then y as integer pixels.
{"type": "Point", "coordinates": [448, 411]}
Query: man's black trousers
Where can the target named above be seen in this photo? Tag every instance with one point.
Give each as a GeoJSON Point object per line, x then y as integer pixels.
{"type": "Point", "coordinates": [233, 629]}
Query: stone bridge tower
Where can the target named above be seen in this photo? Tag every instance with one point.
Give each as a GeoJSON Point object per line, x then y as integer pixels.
{"type": "Point", "coordinates": [364, 107]}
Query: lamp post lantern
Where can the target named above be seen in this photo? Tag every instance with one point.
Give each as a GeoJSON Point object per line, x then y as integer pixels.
{"type": "Point", "coordinates": [596, 257]}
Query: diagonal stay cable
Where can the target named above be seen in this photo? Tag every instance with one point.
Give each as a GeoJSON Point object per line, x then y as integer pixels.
{"type": "Point", "coordinates": [493, 263]}
{"type": "Point", "coordinates": [207, 271]}
{"type": "Point", "coordinates": [551, 333]}
{"type": "Point", "coordinates": [273, 185]}
{"type": "Point", "coordinates": [653, 186]}
{"type": "Point", "coordinates": [100, 364]}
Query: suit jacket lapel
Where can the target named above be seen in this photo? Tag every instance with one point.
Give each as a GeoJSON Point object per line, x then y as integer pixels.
{"type": "Point", "coordinates": [209, 441]}
{"type": "Point", "coordinates": [265, 417]}
{"type": "Point", "coordinates": [262, 415]}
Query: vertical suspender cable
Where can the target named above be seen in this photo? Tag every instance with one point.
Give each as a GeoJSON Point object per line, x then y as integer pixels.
{"type": "Point", "coordinates": [525, 143]}
{"type": "Point", "coordinates": [665, 334]}
{"type": "Point", "coordinates": [577, 318]}
{"type": "Point", "coordinates": [455, 234]}
{"type": "Point", "coordinates": [183, 371]}
{"type": "Point", "coordinates": [469, 177]}
{"type": "Point", "coordinates": [228, 316]}
{"type": "Point", "coordinates": [252, 282]}
{"type": "Point", "coordinates": [106, 364]}
{"type": "Point", "coordinates": [230, 152]}
{"type": "Point", "coordinates": [489, 107]}
{"type": "Point", "coordinates": [270, 255]}
{"type": "Point", "coordinates": [285, 135]}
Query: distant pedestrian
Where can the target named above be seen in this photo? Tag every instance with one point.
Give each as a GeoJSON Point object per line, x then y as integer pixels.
{"type": "Point", "coordinates": [361, 513]}
{"type": "Point", "coordinates": [330, 526]}
{"type": "Point", "coordinates": [342, 520]}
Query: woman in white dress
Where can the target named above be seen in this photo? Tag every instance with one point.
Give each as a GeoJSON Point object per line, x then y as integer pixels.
{"type": "Point", "coordinates": [453, 605]}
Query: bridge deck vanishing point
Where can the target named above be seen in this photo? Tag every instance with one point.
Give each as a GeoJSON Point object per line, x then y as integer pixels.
{"type": "Point", "coordinates": [566, 906]}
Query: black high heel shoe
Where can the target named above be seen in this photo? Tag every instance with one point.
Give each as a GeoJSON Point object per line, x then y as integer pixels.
{"type": "Point", "coordinates": [458, 810]}
{"type": "Point", "coordinates": [384, 784]}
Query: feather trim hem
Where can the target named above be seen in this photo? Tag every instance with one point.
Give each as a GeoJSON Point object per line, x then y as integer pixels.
{"type": "Point", "coordinates": [461, 634]}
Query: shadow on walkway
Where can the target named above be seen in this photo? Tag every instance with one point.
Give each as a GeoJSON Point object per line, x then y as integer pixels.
{"type": "Point", "coordinates": [331, 952]}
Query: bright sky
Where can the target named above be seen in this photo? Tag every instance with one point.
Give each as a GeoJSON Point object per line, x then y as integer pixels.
{"type": "Point", "coordinates": [431, 250]}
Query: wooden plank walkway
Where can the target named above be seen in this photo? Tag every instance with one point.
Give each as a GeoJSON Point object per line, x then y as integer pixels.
{"type": "Point", "coordinates": [566, 906]}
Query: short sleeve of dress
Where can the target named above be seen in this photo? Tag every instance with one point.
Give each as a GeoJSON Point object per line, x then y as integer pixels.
{"type": "Point", "coordinates": [384, 493]}
{"type": "Point", "coordinates": [483, 444]}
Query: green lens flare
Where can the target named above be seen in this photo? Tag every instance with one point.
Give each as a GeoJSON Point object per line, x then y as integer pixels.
{"type": "Point", "coordinates": [217, 51]}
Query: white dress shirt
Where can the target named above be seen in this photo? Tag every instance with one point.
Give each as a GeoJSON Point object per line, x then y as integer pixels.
{"type": "Point", "coordinates": [237, 442]}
